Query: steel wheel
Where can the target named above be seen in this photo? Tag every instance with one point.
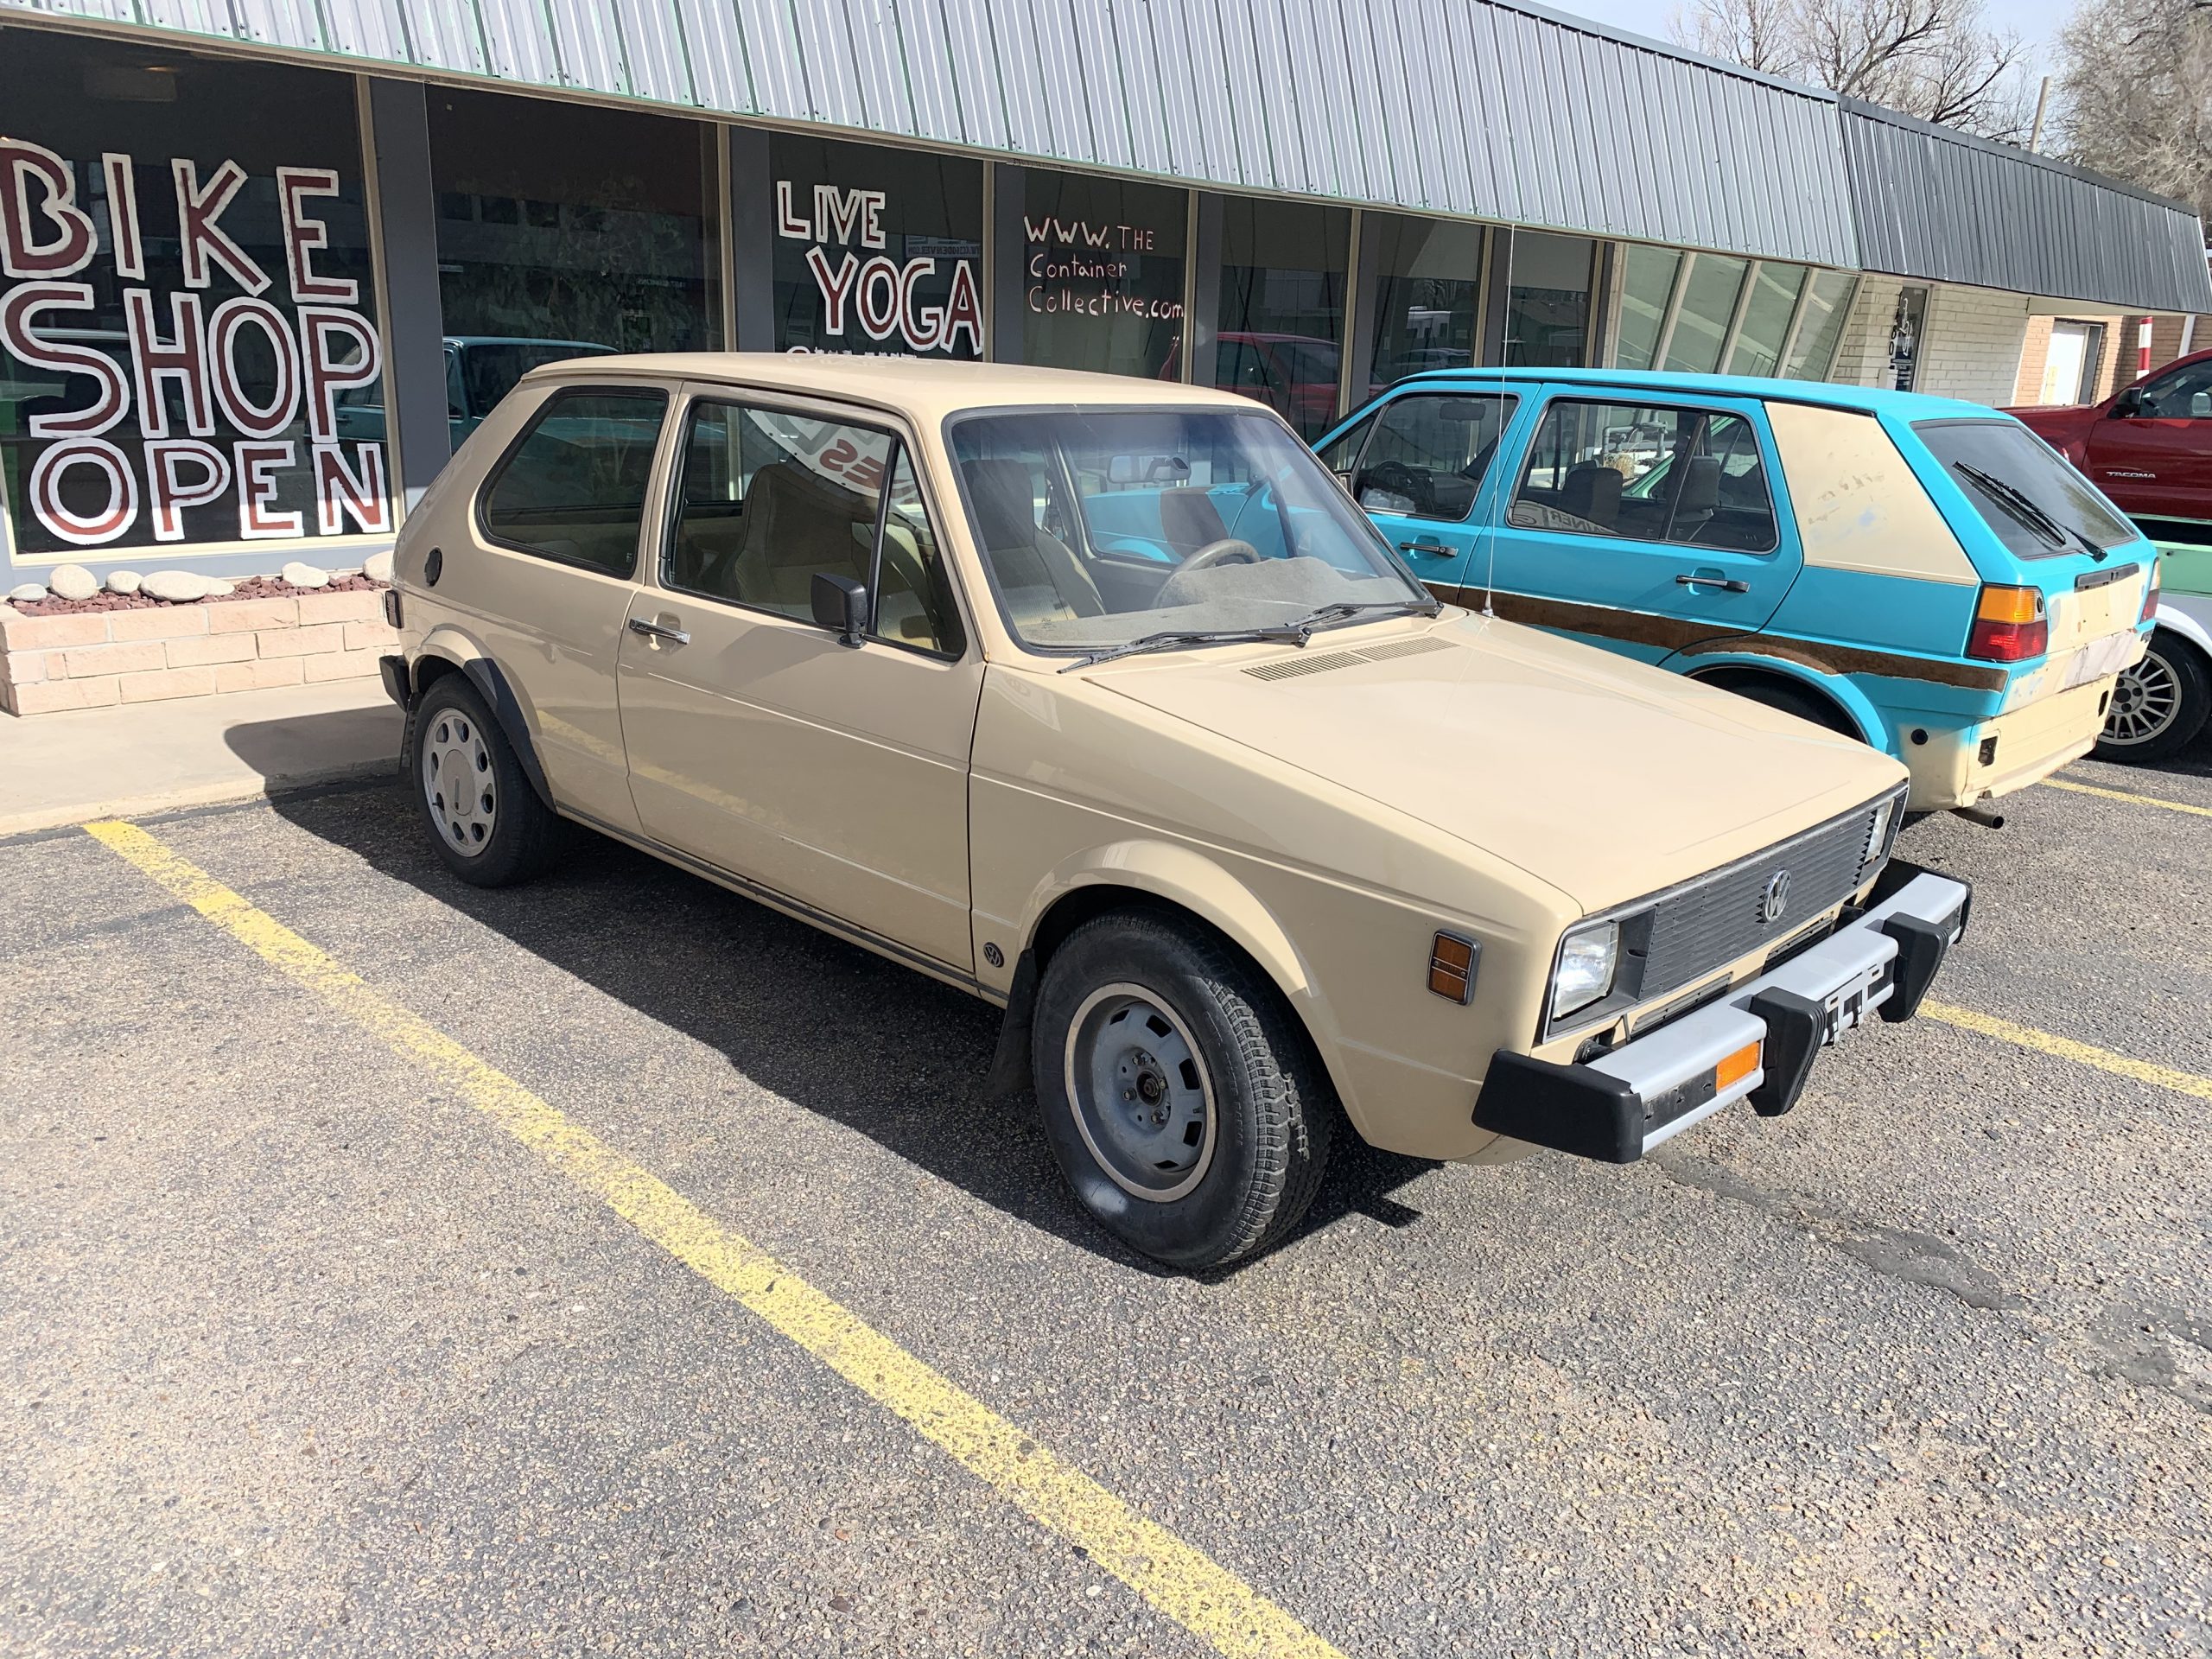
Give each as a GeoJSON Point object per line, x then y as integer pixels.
{"type": "Point", "coordinates": [458, 782]}
{"type": "Point", "coordinates": [2145, 702]}
{"type": "Point", "coordinates": [1143, 1102]}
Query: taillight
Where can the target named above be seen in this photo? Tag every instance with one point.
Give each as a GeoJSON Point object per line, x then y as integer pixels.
{"type": "Point", "coordinates": [2150, 596]}
{"type": "Point", "coordinates": [2009, 625]}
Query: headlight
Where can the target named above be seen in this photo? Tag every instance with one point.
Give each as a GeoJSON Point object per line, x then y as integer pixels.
{"type": "Point", "coordinates": [1586, 961]}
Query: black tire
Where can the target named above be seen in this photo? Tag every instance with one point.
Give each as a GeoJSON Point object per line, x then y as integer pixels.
{"type": "Point", "coordinates": [522, 836]}
{"type": "Point", "coordinates": [2174, 669]}
{"type": "Point", "coordinates": [1272, 1108]}
{"type": "Point", "coordinates": [1790, 700]}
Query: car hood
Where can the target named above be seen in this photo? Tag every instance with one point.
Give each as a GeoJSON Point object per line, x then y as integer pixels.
{"type": "Point", "coordinates": [1602, 777]}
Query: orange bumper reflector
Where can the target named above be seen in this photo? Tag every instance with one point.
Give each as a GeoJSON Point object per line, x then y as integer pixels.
{"type": "Point", "coordinates": [1738, 1066]}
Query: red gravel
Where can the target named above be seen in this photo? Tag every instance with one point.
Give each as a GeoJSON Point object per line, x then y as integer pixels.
{"type": "Point", "coordinates": [250, 588]}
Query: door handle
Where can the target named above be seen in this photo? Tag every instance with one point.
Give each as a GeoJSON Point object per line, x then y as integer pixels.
{"type": "Point", "coordinates": [1429, 544]}
{"type": "Point", "coordinates": [655, 630]}
{"type": "Point", "coordinates": [1725, 584]}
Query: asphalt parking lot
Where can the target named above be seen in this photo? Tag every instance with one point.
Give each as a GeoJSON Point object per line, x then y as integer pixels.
{"type": "Point", "coordinates": [320, 1337]}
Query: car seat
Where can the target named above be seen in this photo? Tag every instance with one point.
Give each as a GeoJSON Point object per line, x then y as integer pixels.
{"type": "Point", "coordinates": [797, 523]}
{"type": "Point", "coordinates": [1592, 492]}
{"type": "Point", "coordinates": [1700, 500]}
{"type": "Point", "coordinates": [1039, 576]}
{"type": "Point", "coordinates": [1190, 520]}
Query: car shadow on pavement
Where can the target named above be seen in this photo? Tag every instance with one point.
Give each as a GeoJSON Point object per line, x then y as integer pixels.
{"type": "Point", "coordinates": [832, 1028]}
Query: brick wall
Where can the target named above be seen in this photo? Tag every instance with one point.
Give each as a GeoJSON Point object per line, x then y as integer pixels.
{"type": "Point", "coordinates": [93, 659]}
{"type": "Point", "coordinates": [1970, 344]}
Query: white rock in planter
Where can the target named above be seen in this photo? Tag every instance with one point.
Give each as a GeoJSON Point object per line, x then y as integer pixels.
{"type": "Point", "coordinates": [378, 567]}
{"type": "Point", "coordinates": [73, 582]}
{"type": "Point", "coordinates": [177, 587]}
{"type": "Point", "coordinates": [29, 593]}
{"type": "Point", "coordinates": [123, 581]}
{"type": "Point", "coordinates": [305, 575]}
{"type": "Point", "coordinates": [217, 587]}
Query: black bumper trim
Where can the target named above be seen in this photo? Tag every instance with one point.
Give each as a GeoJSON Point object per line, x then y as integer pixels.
{"type": "Point", "coordinates": [394, 670]}
{"type": "Point", "coordinates": [1567, 1108]}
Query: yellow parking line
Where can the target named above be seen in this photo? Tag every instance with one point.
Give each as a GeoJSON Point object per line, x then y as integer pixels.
{"type": "Point", "coordinates": [1182, 1582]}
{"type": "Point", "coordinates": [2164, 1076]}
{"type": "Point", "coordinates": [2122, 795]}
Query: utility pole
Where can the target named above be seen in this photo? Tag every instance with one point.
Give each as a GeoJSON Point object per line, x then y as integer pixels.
{"type": "Point", "coordinates": [2035, 136]}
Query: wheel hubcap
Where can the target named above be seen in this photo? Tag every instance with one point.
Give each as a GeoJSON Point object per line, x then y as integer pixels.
{"type": "Point", "coordinates": [1142, 1100]}
{"type": "Point", "coordinates": [457, 782]}
{"type": "Point", "coordinates": [2144, 702]}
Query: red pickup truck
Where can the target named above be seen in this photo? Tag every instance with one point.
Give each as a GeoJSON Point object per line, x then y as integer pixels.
{"type": "Point", "coordinates": [2149, 447]}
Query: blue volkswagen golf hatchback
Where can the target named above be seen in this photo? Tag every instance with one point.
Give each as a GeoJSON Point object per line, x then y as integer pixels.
{"type": "Point", "coordinates": [1924, 574]}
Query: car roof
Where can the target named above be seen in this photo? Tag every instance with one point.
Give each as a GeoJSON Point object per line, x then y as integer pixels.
{"type": "Point", "coordinates": [925, 389]}
{"type": "Point", "coordinates": [1871, 400]}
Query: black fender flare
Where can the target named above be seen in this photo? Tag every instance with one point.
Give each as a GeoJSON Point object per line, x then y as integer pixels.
{"type": "Point", "coordinates": [499, 694]}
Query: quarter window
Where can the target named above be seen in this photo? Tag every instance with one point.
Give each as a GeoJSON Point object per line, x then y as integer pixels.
{"type": "Point", "coordinates": [769, 499]}
{"type": "Point", "coordinates": [574, 489]}
{"type": "Point", "coordinates": [1429, 453]}
{"type": "Point", "coordinates": [1649, 473]}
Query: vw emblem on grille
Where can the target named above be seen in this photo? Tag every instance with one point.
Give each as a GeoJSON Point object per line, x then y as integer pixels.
{"type": "Point", "coordinates": [1775, 898]}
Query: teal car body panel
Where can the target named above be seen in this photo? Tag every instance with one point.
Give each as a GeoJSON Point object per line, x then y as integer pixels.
{"type": "Point", "coordinates": [1882, 651]}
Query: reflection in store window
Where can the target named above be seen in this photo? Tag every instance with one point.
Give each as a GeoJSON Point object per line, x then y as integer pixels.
{"type": "Point", "coordinates": [188, 305]}
{"type": "Point", "coordinates": [1647, 284]}
{"type": "Point", "coordinates": [877, 250]}
{"type": "Point", "coordinates": [1427, 287]}
{"type": "Point", "coordinates": [1759, 340]}
{"type": "Point", "coordinates": [1548, 299]}
{"type": "Point", "coordinates": [1102, 275]}
{"type": "Point", "coordinates": [1280, 321]}
{"type": "Point", "coordinates": [1821, 327]}
{"type": "Point", "coordinates": [1708, 306]}
{"type": "Point", "coordinates": [565, 230]}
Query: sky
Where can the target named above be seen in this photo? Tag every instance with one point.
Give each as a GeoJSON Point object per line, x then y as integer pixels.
{"type": "Point", "coordinates": [2037, 22]}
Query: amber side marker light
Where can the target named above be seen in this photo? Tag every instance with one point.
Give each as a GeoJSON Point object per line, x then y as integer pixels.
{"type": "Point", "coordinates": [2010, 625]}
{"type": "Point", "coordinates": [1738, 1066]}
{"type": "Point", "coordinates": [1452, 967]}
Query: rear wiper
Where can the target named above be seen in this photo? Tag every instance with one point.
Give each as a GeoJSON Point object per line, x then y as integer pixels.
{"type": "Point", "coordinates": [2015, 501]}
{"type": "Point", "coordinates": [1282, 634]}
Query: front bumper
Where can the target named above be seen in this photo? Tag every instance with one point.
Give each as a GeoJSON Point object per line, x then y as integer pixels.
{"type": "Point", "coordinates": [1619, 1105]}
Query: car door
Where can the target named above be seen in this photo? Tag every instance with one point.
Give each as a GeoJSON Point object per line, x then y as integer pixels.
{"type": "Point", "coordinates": [545, 584]}
{"type": "Point", "coordinates": [1422, 469]}
{"type": "Point", "coordinates": [2153, 455]}
{"type": "Point", "coordinates": [1645, 524]}
{"type": "Point", "coordinates": [831, 773]}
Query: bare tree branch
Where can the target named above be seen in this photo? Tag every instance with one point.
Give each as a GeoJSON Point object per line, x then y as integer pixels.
{"type": "Point", "coordinates": [2135, 94]}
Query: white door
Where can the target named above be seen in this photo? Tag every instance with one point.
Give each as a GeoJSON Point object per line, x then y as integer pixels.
{"type": "Point", "coordinates": [2062, 367]}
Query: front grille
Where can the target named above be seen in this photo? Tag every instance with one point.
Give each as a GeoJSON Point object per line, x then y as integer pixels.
{"type": "Point", "coordinates": [1698, 928]}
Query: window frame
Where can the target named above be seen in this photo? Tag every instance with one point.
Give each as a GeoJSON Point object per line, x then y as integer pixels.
{"type": "Point", "coordinates": [1597, 397]}
{"type": "Point", "coordinates": [499, 469]}
{"type": "Point", "coordinates": [804, 408]}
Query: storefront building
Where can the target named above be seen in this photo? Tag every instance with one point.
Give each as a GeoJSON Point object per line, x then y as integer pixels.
{"type": "Point", "coordinates": [258, 279]}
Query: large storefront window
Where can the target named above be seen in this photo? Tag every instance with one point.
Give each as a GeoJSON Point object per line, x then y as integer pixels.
{"type": "Point", "coordinates": [1647, 284]}
{"type": "Point", "coordinates": [565, 230]}
{"type": "Point", "coordinates": [1760, 339]}
{"type": "Point", "coordinates": [1821, 327]}
{"type": "Point", "coordinates": [1102, 274]}
{"type": "Point", "coordinates": [1427, 289]}
{"type": "Point", "coordinates": [1547, 300]}
{"type": "Point", "coordinates": [877, 249]}
{"type": "Point", "coordinates": [185, 303]}
{"type": "Point", "coordinates": [1709, 294]}
{"type": "Point", "coordinates": [1282, 307]}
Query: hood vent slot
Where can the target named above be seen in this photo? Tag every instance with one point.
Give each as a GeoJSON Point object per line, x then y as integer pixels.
{"type": "Point", "coordinates": [1290, 667]}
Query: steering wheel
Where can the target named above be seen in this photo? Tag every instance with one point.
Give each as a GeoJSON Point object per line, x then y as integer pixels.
{"type": "Point", "coordinates": [1400, 479]}
{"type": "Point", "coordinates": [1228, 551]}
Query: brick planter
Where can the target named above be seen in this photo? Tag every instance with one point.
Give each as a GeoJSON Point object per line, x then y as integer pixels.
{"type": "Point", "coordinates": [93, 659]}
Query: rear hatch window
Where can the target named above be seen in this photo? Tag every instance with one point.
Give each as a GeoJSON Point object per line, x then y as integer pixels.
{"type": "Point", "coordinates": [2024, 490]}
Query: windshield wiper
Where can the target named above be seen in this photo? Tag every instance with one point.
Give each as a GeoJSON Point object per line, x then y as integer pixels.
{"type": "Point", "coordinates": [1288, 634]}
{"type": "Point", "coordinates": [1283, 633]}
{"type": "Point", "coordinates": [2019, 503]}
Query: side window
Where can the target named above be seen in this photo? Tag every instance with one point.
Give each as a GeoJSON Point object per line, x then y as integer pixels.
{"type": "Point", "coordinates": [573, 489]}
{"type": "Point", "coordinates": [1429, 453]}
{"type": "Point", "coordinates": [1646, 473]}
{"type": "Point", "coordinates": [1339, 455]}
{"type": "Point", "coordinates": [2185, 395]}
{"type": "Point", "coordinates": [913, 594]}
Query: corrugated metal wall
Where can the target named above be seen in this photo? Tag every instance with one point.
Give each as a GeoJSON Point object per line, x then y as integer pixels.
{"type": "Point", "coordinates": [1936, 204]}
{"type": "Point", "coordinates": [1472, 107]}
{"type": "Point", "coordinates": [1455, 106]}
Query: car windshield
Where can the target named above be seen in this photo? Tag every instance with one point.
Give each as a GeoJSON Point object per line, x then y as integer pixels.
{"type": "Point", "coordinates": [1102, 528]}
{"type": "Point", "coordinates": [2024, 489]}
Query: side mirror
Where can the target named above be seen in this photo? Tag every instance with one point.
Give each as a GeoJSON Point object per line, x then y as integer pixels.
{"type": "Point", "coordinates": [840, 604]}
{"type": "Point", "coordinates": [2127, 406]}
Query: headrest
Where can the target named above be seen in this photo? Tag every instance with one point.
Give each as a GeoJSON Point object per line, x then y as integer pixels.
{"type": "Point", "coordinates": [1593, 491]}
{"type": "Point", "coordinates": [1700, 485]}
{"type": "Point", "coordinates": [999, 493]}
{"type": "Point", "coordinates": [1190, 519]}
